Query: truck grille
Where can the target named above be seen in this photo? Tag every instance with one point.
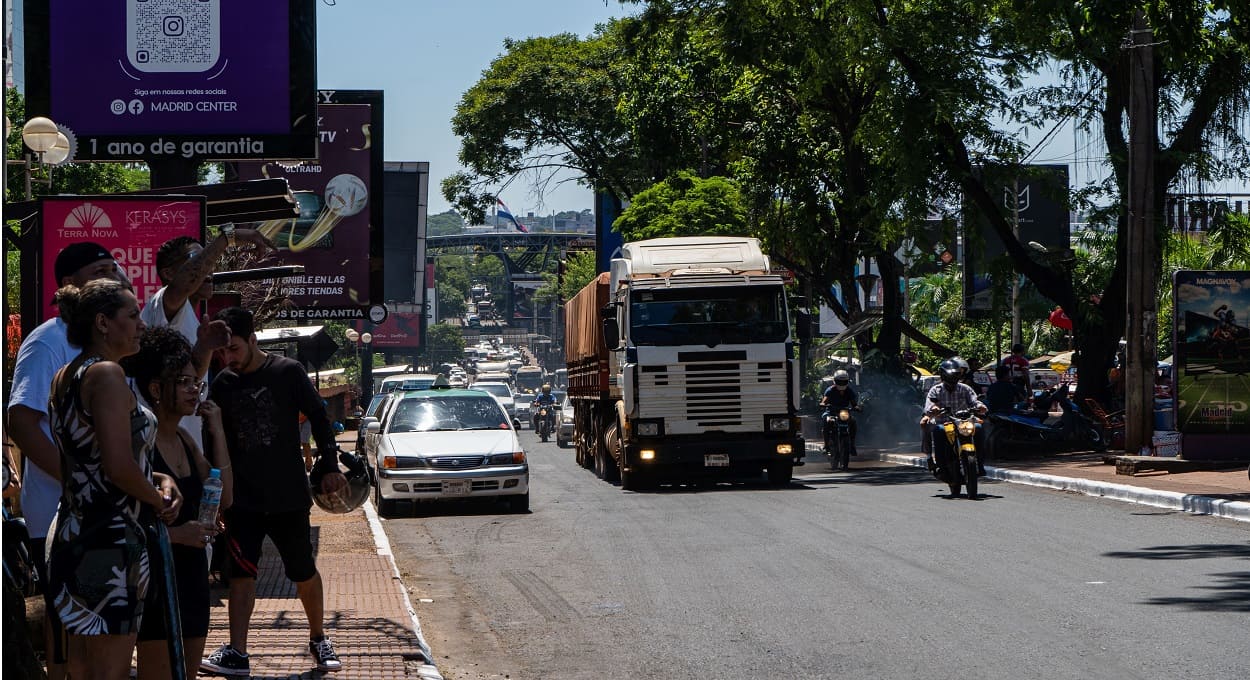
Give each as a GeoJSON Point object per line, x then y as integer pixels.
{"type": "Point", "coordinates": [715, 395]}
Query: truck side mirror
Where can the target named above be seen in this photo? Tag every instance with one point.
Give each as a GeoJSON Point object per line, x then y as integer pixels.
{"type": "Point", "coordinates": [611, 334]}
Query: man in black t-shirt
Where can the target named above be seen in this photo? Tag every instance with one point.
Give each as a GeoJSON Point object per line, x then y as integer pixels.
{"type": "Point", "coordinates": [261, 397]}
{"type": "Point", "coordinates": [1003, 395]}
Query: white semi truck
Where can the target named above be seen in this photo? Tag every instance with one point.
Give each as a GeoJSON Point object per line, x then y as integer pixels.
{"type": "Point", "coordinates": [680, 365]}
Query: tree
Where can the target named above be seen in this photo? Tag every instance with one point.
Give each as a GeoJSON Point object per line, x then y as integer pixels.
{"type": "Point", "coordinates": [685, 205]}
{"type": "Point", "coordinates": [445, 343]}
{"type": "Point", "coordinates": [444, 223]}
{"type": "Point", "coordinates": [1202, 80]}
{"type": "Point", "coordinates": [546, 104]}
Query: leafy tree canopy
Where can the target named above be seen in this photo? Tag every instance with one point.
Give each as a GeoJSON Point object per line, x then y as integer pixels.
{"type": "Point", "coordinates": [685, 205]}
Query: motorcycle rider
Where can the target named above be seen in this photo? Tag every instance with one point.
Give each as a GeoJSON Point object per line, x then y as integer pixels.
{"type": "Point", "coordinates": [545, 398]}
{"type": "Point", "coordinates": [954, 395]}
{"type": "Point", "coordinates": [840, 395]}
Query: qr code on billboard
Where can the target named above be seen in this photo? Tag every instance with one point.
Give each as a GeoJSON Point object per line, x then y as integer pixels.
{"type": "Point", "coordinates": [177, 36]}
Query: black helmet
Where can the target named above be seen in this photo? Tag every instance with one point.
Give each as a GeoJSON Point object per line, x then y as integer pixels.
{"type": "Point", "coordinates": [951, 371]}
{"type": "Point", "coordinates": [350, 497]}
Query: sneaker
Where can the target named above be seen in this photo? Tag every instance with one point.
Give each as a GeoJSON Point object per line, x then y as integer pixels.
{"type": "Point", "coordinates": [323, 651]}
{"type": "Point", "coordinates": [226, 661]}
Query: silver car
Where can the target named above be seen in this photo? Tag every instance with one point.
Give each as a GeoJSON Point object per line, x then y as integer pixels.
{"type": "Point", "coordinates": [564, 429]}
{"type": "Point", "coordinates": [448, 443]}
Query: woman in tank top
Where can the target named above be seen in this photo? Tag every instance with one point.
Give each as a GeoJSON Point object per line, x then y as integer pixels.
{"type": "Point", "coordinates": [98, 570]}
{"type": "Point", "coordinates": [165, 377]}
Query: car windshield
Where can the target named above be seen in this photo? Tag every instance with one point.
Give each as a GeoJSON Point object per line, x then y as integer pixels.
{"type": "Point", "coordinates": [443, 413]}
{"type": "Point", "coordinates": [708, 316]}
{"type": "Point", "coordinates": [497, 389]}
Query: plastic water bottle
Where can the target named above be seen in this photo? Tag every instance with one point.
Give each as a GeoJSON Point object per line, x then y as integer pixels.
{"type": "Point", "coordinates": [211, 500]}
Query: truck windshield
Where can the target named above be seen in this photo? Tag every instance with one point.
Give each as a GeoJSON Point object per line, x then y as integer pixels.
{"type": "Point", "coordinates": [708, 316]}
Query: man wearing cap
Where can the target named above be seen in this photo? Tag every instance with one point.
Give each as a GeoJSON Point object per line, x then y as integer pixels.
{"type": "Point", "coordinates": [42, 354]}
{"type": "Point", "coordinates": [186, 271]}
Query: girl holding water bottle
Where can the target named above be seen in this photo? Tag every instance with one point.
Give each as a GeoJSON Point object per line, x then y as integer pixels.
{"type": "Point", "coordinates": [165, 376]}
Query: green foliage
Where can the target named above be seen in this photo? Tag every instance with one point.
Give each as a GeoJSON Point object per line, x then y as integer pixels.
{"type": "Point", "coordinates": [445, 342]}
{"type": "Point", "coordinates": [444, 223]}
{"type": "Point", "coordinates": [547, 103]}
{"type": "Point", "coordinates": [580, 268]}
{"type": "Point", "coordinates": [685, 205]}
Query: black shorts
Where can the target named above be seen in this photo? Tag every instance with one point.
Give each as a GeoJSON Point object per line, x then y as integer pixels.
{"type": "Point", "coordinates": [290, 532]}
{"type": "Point", "coordinates": [191, 573]}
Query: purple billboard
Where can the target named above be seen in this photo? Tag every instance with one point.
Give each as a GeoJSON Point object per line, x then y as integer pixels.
{"type": "Point", "coordinates": [192, 79]}
{"type": "Point", "coordinates": [338, 233]}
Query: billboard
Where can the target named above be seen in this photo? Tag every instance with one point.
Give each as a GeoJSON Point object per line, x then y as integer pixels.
{"type": "Point", "coordinates": [132, 228]}
{"type": "Point", "coordinates": [166, 79]}
{"type": "Point", "coordinates": [1212, 359]}
{"type": "Point", "coordinates": [1036, 198]}
{"type": "Point", "coordinates": [338, 235]}
{"type": "Point", "coordinates": [406, 186]}
{"type": "Point", "coordinates": [400, 330]}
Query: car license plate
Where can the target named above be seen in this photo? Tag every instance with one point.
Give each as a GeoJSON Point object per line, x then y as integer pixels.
{"type": "Point", "coordinates": [458, 487]}
{"type": "Point", "coordinates": [716, 460]}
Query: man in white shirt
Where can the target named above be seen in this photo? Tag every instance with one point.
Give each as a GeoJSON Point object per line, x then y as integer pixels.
{"type": "Point", "coordinates": [186, 269]}
{"type": "Point", "coordinates": [42, 354]}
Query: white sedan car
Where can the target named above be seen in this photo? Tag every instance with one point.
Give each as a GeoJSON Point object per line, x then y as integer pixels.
{"type": "Point", "coordinates": [448, 443]}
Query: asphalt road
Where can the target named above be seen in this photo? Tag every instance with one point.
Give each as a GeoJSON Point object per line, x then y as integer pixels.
{"type": "Point", "coordinates": [872, 573]}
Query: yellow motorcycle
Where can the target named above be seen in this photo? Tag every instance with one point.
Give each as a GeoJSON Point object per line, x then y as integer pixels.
{"type": "Point", "coordinates": [960, 430]}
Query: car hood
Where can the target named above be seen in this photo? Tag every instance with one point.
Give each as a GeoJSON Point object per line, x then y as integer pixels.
{"type": "Point", "coordinates": [453, 442]}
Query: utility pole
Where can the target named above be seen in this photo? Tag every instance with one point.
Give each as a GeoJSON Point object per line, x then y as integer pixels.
{"type": "Point", "coordinates": [1141, 327]}
{"type": "Point", "coordinates": [1016, 334]}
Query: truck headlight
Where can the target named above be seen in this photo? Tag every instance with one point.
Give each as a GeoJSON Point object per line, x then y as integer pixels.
{"type": "Point", "coordinates": [647, 428]}
{"type": "Point", "coordinates": [778, 423]}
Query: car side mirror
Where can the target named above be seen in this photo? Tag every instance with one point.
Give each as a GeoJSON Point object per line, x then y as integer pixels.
{"type": "Point", "coordinates": [367, 421]}
{"type": "Point", "coordinates": [373, 428]}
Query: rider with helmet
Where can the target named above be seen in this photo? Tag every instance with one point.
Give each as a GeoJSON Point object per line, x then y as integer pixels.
{"type": "Point", "coordinates": [545, 397]}
{"type": "Point", "coordinates": [840, 395]}
{"type": "Point", "coordinates": [953, 395]}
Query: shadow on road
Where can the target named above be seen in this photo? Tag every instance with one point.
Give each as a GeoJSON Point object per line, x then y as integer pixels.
{"type": "Point", "coordinates": [1229, 591]}
{"type": "Point", "coordinates": [1185, 552]}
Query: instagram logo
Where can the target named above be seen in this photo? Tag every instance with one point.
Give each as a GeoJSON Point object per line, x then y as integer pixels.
{"type": "Point", "coordinates": [172, 25]}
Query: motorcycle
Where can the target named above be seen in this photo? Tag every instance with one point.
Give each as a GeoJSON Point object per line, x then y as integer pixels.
{"type": "Point", "coordinates": [1072, 430]}
{"type": "Point", "coordinates": [545, 421]}
{"type": "Point", "coordinates": [960, 429]}
{"type": "Point", "coordinates": [838, 438]}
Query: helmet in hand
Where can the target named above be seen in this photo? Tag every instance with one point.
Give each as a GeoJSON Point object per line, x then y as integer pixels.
{"type": "Point", "coordinates": [351, 496]}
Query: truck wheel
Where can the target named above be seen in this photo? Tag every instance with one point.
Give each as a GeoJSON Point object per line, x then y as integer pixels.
{"type": "Point", "coordinates": [780, 474]}
{"type": "Point", "coordinates": [606, 468]}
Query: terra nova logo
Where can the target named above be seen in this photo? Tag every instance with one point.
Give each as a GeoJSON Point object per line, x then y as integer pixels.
{"type": "Point", "coordinates": [88, 216]}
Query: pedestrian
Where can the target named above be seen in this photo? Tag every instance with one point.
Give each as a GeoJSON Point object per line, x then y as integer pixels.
{"type": "Point", "coordinates": [185, 269]}
{"type": "Point", "coordinates": [1003, 395]}
{"type": "Point", "coordinates": [98, 566]}
{"type": "Point", "coordinates": [261, 396]}
{"type": "Point", "coordinates": [1018, 365]}
{"type": "Point", "coordinates": [41, 355]}
{"type": "Point", "coordinates": [166, 378]}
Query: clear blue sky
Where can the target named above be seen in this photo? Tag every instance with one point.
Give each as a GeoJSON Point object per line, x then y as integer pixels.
{"type": "Point", "coordinates": [424, 54]}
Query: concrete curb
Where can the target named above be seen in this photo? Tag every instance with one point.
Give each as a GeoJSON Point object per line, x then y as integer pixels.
{"type": "Point", "coordinates": [426, 671]}
{"type": "Point", "coordinates": [1238, 511]}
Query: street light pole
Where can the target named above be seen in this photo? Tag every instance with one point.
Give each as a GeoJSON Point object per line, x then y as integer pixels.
{"type": "Point", "coordinates": [365, 361]}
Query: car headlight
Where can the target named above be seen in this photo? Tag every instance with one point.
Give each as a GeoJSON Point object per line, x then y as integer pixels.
{"type": "Point", "coordinates": [514, 458]}
{"type": "Point", "coordinates": [647, 428]}
{"type": "Point", "coordinates": [778, 423]}
{"type": "Point", "coordinates": [967, 429]}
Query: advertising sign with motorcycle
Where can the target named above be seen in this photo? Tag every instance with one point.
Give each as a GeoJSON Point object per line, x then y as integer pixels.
{"type": "Point", "coordinates": [1212, 359]}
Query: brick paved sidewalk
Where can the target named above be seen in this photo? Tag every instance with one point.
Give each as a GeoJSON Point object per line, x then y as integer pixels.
{"type": "Point", "coordinates": [366, 612]}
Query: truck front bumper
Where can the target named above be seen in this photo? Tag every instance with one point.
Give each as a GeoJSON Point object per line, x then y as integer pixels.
{"type": "Point", "coordinates": [713, 455]}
